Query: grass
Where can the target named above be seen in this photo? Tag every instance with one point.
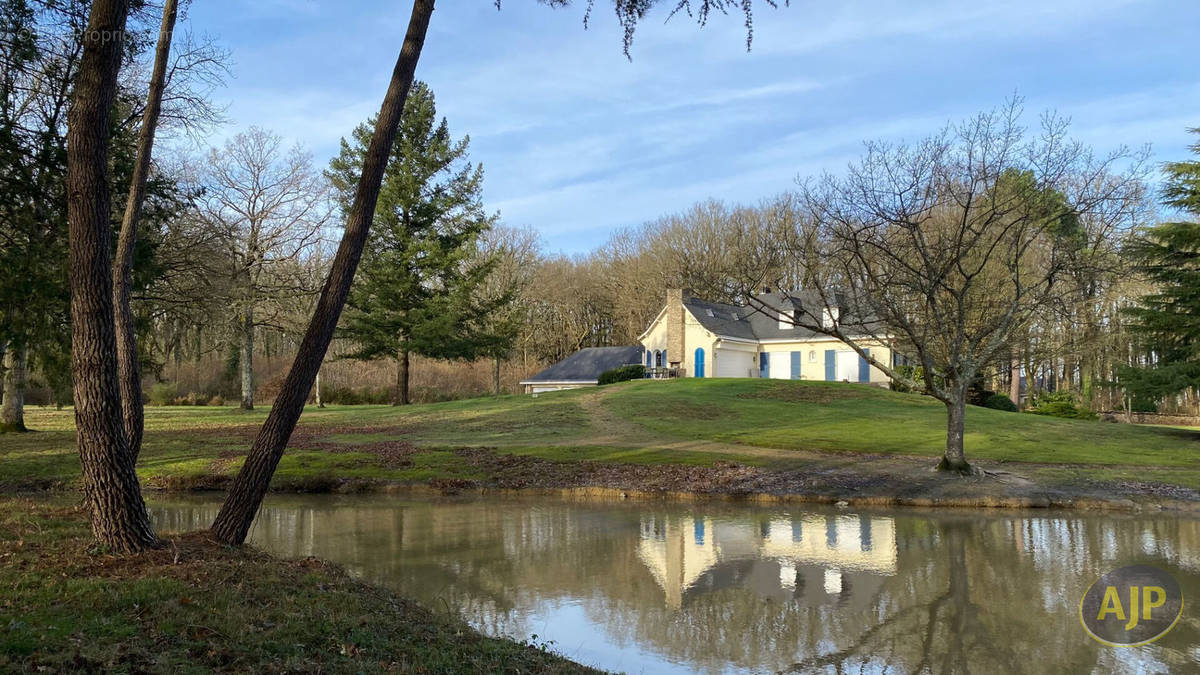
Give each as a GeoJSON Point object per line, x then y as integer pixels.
{"type": "Point", "coordinates": [837, 417]}
{"type": "Point", "coordinates": [694, 422]}
{"type": "Point", "coordinates": [195, 606]}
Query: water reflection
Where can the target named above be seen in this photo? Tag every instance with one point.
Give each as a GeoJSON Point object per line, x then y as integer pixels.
{"type": "Point", "coordinates": [657, 588]}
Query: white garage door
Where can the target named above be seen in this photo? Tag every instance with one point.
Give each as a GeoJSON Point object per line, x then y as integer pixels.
{"type": "Point", "coordinates": [732, 363]}
{"type": "Point", "coordinates": [847, 366]}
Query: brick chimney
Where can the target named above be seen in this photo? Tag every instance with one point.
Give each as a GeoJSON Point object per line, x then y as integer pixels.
{"type": "Point", "coordinates": [675, 324]}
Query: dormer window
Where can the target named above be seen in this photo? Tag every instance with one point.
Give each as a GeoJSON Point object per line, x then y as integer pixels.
{"type": "Point", "coordinates": [829, 317]}
{"type": "Point", "coordinates": [785, 320]}
{"type": "Point", "coordinates": [734, 315]}
{"type": "Point", "coordinates": [709, 312]}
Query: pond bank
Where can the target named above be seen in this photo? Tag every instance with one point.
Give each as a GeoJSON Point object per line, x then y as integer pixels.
{"type": "Point", "coordinates": [819, 478]}
{"type": "Point", "coordinates": [197, 605]}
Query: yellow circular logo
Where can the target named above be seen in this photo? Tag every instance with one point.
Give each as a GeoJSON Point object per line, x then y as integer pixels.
{"type": "Point", "coordinates": [1131, 606]}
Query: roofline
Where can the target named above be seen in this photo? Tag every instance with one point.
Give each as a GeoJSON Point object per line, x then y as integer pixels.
{"type": "Point", "coordinates": [652, 322]}
{"type": "Point", "coordinates": [559, 382]}
{"type": "Point", "coordinates": [729, 338]}
{"type": "Point", "coordinates": [820, 337]}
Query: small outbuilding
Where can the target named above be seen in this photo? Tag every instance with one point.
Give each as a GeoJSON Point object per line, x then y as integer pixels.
{"type": "Point", "coordinates": [582, 369]}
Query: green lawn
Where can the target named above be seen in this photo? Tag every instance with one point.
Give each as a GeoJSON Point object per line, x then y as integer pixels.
{"type": "Point", "coordinates": [689, 422]}
{"type": "Point", "coordinates": [838, 417]}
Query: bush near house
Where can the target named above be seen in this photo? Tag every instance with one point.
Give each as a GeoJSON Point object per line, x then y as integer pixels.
{"type": "Point", "coordinates": [622, 374]}
{"type": "Point", "coordinates": [1000, 402]}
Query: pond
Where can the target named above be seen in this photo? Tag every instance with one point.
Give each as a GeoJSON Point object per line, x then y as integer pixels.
{"type": "Point", "coordinates": [665, 587]}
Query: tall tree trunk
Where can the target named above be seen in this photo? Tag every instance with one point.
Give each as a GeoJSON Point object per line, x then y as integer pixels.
{"type": "Point", "coordinates": [317, 390]}
{"type": "Point", "coordinates": [246, 358]}
{"type": "Point", "coordinates": [3, 367]}
{"type": "Point", "coordinates": [245, 495]}
{"type": "Point", "coordinates": [12, 414]}
{"type": "Point", "coordinates": [111, 491]}
{"type": "Point", "coordinates": [954, 458]}
{"type": "Point", "coordinates": [496, 376]}
{"type": "Point", "coordinates": [1014, 385]}
{"type": "Point", "coordinates": [128, 372]}
{"type": "Point", "coordinates": [402, 367]}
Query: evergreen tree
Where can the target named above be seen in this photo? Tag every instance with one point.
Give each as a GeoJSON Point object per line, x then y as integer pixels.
{"type": "Point", "coordinates": [1168, 320]}
{"type": "Point", "coordinates": [418, 288]}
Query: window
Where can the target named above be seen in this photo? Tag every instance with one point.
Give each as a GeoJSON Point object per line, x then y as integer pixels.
{"type": "Point", "coordinates": [829, 317]}
{"type": "Point", "coordinates": [709, 312]}
{"type": "Point", "coordinates": [785, 320]}
{"type": "Point", "coordinates": [658, 359]}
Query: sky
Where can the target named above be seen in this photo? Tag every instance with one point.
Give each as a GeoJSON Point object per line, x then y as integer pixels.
{"type": "Point", "coordinates": [577, 141]}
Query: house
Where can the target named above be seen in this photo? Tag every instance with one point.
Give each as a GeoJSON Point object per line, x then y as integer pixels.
{"type": "Point", "coordinates": [815, 556]}
{"type": "Point", "coordinates": [582, 369]}
{"type": "Point", "coordinates": [698, 338]}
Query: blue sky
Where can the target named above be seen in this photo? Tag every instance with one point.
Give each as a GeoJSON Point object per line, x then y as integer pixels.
{"type": "Point", "coordinates": [576, 140]}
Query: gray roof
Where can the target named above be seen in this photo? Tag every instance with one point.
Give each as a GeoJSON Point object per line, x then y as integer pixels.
{"type": "Point", "coordinates": [751, 323]}
{"type": "Point", "coordinates": [586, 365]}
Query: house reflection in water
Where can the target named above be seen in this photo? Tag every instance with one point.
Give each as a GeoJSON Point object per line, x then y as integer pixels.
{"type": "Point", "coordinates": [811, 557]}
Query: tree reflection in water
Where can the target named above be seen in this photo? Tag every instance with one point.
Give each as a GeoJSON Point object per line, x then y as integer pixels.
{"type": "Point", "coordinates": [713, 588]}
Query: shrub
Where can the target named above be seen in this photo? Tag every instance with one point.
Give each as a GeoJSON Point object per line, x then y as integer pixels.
{"type": "Point", "coordinates": [216, 400]}
{"type": "Point", "coordinates": [1141, 404]}
{"type": "Point", "coordinates": [622, 374]}
{"type": "Point", "coordinates": [1000, 402]}
{"type": "Point", "coordinates": [163, 393]}
{"type": "Point", "coordinates": [914, 373]}
{"type": "Point", "coordinates": [1061, 404]}
{"type": "Point", "coordinates": [349, 396]}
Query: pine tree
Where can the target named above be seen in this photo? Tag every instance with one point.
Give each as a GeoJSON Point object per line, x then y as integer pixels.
{"type": "Point", "coordinates": [1168, 320]}
{"type": "Point", "coordinates": [418, 285]}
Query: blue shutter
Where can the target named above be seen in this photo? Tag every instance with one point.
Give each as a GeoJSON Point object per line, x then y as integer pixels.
{"type": "Point", "coordinates": [764, 365]}
{"type": "Point", "coordinates": [699, 362]}
{"type": "Point", "coordinates": [797, 361]}
{"type": "Point", "coordinates": [666, 362]}
{"type": "Point", "coordinates": [830, 365]}
{"type": "Point", "coordinates": [864, 368]}
{"type": "Point", "coordinates": [648, 357]}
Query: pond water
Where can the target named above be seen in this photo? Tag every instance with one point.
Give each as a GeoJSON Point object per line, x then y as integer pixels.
{"type": "Point", "coordinates": [657, 587]}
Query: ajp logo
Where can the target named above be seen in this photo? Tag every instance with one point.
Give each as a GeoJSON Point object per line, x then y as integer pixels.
{"type": "Point", "coordinates": [1131, 606]}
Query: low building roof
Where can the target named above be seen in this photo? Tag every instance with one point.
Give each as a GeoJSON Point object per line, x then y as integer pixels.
{"type": "Point", "coordinates": [587, 364]}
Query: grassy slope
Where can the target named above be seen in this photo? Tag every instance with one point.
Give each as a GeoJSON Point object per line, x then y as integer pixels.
{"type": "Point", "coordinates": [195, 606]}
{"type": "Point", "coordinates": [679, 422]}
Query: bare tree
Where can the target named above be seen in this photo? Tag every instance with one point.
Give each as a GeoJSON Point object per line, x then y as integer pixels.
{"type": "Point", "coordinates": [944, 249]}
{"type": "Point", "coordinates": [267, 207]}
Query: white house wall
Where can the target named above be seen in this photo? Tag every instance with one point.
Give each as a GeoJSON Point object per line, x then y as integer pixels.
{"type": "Point", "coordinates": [813, 358]}
{"type": "Point", "coordinates": [725, 358]}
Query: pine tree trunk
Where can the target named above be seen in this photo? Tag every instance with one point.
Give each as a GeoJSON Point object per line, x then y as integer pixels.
{"type": "Point", "coordinates": [246, 358]}
{"type": "Point", "coordinates": [1014, 385]}
{"type": "Point", "coordinates": [317, 391]}
{"type": "Point", "coordinates": [402, 368]}
{"type": "Point", "coordinates": [954, 458]}
{"type": "Point", "coordinates": [128, 371]}
{"type": "Point", "coordinates": [246, 494]}
{"type": "Point", "coordinates": [3, 367]}
{"type": "Point", "coordinates": [111, 491]}
{"type": "Point", "coordinates": [12, 413]}
{"type": "Point", "coordinates": [497, 376]}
